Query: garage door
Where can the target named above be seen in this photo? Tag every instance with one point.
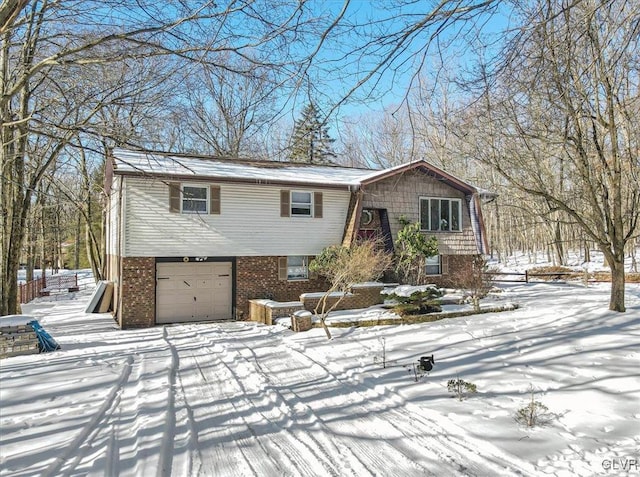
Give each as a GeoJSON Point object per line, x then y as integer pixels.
{"type": "Point", "coordinates": [193, 292]}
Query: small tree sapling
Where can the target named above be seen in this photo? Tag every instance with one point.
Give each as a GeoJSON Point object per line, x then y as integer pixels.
{"type": "Point", "coordinates": [461, 388]}
{"type": "Point", "coordinates": [343, 266]}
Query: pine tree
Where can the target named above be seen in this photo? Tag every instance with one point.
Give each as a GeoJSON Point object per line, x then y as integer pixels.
{"type": "Point", "coordinates": [310, 141]}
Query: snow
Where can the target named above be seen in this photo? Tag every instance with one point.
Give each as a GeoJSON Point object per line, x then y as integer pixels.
{"type": "Point", "coordinates": [15, 320]}
{"type": "Point", "coordinates": [336, 294]}
{"type": "Point", "coordinates": [282, 304]}
{"type": "Point", "coordinates": [239, 399]}
{"type": "Point", "coordinates": [149, 163]}
{"type": "Point", "coordinates": [408, 290]}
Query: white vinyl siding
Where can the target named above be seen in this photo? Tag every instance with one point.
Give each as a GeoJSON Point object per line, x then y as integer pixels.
{"type": "Point", "coordinates": [250, 224]}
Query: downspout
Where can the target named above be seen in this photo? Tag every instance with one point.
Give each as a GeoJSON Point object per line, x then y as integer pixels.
{"type": "Point", "coordinates": [118, 286]}
{"type": "Point", "coordinates": [477, 224]}
{"type": "Point", "coordinates": [353, 216]}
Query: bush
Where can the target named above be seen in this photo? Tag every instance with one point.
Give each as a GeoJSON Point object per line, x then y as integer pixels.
{"type": "Point", "coordinates": [461, 388]}
{"type": "Point", "coordinates": [533, 414]}
{"type": "Point", "coordinates": [425, 299]}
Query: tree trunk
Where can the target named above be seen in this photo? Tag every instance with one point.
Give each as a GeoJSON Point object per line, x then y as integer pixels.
{"type": "Point", "coordinates": [616, 263]}
{"type": "Point", "coordinates": [76, 254]}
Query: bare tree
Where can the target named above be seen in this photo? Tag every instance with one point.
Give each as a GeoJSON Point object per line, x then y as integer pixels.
{"type": "Point", "coordinates": [559, 126]}
{"type": "Point", "coordinates": [346, 266]}
{"type": "Point", "coordinates": [44, 43]}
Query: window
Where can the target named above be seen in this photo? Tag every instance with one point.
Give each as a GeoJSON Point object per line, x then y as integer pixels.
{"type": "Point", "coordinates": [432, 266]}
{"type": "Point", "coordinates": [439, 214]}
{"type": "Point", "coordinates": [297, 268]}
{"type": "Point", "coordinates": [301, 204]}
{"type": "Point", "coordinates": [194, 199]}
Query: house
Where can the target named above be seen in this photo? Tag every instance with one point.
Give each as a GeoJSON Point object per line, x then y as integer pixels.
{"type": "Point", "coordinates": [194, 238]}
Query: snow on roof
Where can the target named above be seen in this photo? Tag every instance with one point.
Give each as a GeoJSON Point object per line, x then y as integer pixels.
{"type": "Point", "coordinates": [165, 164]}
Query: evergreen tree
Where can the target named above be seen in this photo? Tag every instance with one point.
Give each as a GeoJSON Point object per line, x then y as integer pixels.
{"type": "Point", "coordinates": [310, 141]}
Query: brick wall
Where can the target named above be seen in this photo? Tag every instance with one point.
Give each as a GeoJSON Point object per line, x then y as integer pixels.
{"type": "Point", "coordinates": [257, 277]}
{"type": "Point", "coordinates": [137, 307]}
{"type": "Point", "coordinates": [459, 266]}
{"type": "Point", "coordinates": [359, 297]}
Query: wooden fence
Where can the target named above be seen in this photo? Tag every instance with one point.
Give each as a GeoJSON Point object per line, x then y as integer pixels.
{"type": "Point", "coordinates": [44, 285]}
{"type": "Point", "coordinates": [527, 276]}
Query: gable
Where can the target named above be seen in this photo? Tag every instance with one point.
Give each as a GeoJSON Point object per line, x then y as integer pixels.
{"type": "Point", "coordinates": [400, 195]}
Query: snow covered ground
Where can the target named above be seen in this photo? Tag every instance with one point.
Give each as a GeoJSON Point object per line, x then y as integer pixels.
{"type": "Point", "coordinates": [242, 399]}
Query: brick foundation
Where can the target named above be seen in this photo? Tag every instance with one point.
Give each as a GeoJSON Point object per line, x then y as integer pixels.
{"type": "Point", "coordinates": [459, 266]}
{"type": "Point", "coordinates": [137, 304]}
{"type": "Point", "coordinates": [359, 296]}
{"type": "Point", "coordinates": [257, 277]}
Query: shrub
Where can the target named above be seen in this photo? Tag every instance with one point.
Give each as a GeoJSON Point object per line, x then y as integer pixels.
{"type": "Point", "coordinates": [533, 414]}
{"type": "Point", "coordinates": [416, 300]}
{"type": "Point", "coordinates": [460, 388]}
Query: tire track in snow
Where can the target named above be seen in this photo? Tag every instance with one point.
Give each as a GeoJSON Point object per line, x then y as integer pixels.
{"type": "Point", "coordinates": [276, 441]}
{"type": "Point", "coordinates": [322, 448]}
{"type": "Point", "coordinates": [361, 458]}
{"type": "Point", "coordinates": [222, 459]}
{"type": "Point", "coordinates": [178, 411]}
{"type": "Point", "coordinates": [462, 451]}
{"type": "Point", "coordinates": [80, 446]}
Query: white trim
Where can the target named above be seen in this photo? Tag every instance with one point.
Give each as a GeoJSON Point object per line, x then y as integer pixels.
{"type": "Point", "coordinates": [183, 186]}
{"type": "Point", "coordinates": [439, 199]}
{"type": "Point", "coordinates": [305, 266]}
{"type": "Point", "coordinates": [304, 204]}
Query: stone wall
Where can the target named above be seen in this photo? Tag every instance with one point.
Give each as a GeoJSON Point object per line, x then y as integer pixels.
{"type": "Point", "coordinates": [257, 277]}
{"type": "Point", "coordinates": [137, 305]}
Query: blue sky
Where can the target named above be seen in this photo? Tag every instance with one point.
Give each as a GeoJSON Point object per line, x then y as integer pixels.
{"type": "Point", "coordinates": [340, 67]}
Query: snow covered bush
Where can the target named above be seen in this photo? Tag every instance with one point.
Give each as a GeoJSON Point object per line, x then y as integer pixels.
{"type": "Point", "coordinates": [416, 300]}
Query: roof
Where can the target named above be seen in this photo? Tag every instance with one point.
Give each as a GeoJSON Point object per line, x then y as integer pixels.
{"type": "Point", "coordinates": [127, 162]}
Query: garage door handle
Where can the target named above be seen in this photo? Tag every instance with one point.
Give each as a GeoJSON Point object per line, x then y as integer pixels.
{"type": "Point", "coordinates": [194, 299]}
{"type": "Point", "coordinates": [185, 282]}
{"type": "Point", "coordinates": [162, 278]}
{"type": "Point", "coordinates": [224, 275]}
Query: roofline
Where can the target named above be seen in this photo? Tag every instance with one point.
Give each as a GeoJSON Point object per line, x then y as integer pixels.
{"type": "Point", "coordinates": [237, 160]}
{"type": "Point", "coordinates": [385, 174]}
{"type": "Point", "coordinates": [235, 180]}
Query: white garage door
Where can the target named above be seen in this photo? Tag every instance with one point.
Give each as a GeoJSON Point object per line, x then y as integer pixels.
{"type": "Point", "coordinates": [193, 292]}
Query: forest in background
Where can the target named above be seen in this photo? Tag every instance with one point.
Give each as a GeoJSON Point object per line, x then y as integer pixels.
{"type": "Point", "coordinates": [533, 101]}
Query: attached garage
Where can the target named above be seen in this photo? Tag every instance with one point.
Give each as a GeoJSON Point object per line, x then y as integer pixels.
{"type": "Point", "coordinates": [194, 291]}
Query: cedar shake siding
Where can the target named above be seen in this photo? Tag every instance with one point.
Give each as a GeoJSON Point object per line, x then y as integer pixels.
{"type": "Point", "coordinates": [400, 195]}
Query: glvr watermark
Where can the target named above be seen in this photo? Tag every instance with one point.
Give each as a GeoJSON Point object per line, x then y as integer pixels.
{"type": "Point", "coordinates": [627, 464]}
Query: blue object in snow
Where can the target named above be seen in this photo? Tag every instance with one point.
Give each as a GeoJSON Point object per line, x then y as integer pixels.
{"type": "Point", "coordinates": [46, 342]}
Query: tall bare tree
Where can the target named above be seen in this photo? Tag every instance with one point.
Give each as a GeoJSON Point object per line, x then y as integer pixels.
{"type": "Point", "coordinates": [43, 42]}
{"type": "Point", "coordinates": [559, 121]}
